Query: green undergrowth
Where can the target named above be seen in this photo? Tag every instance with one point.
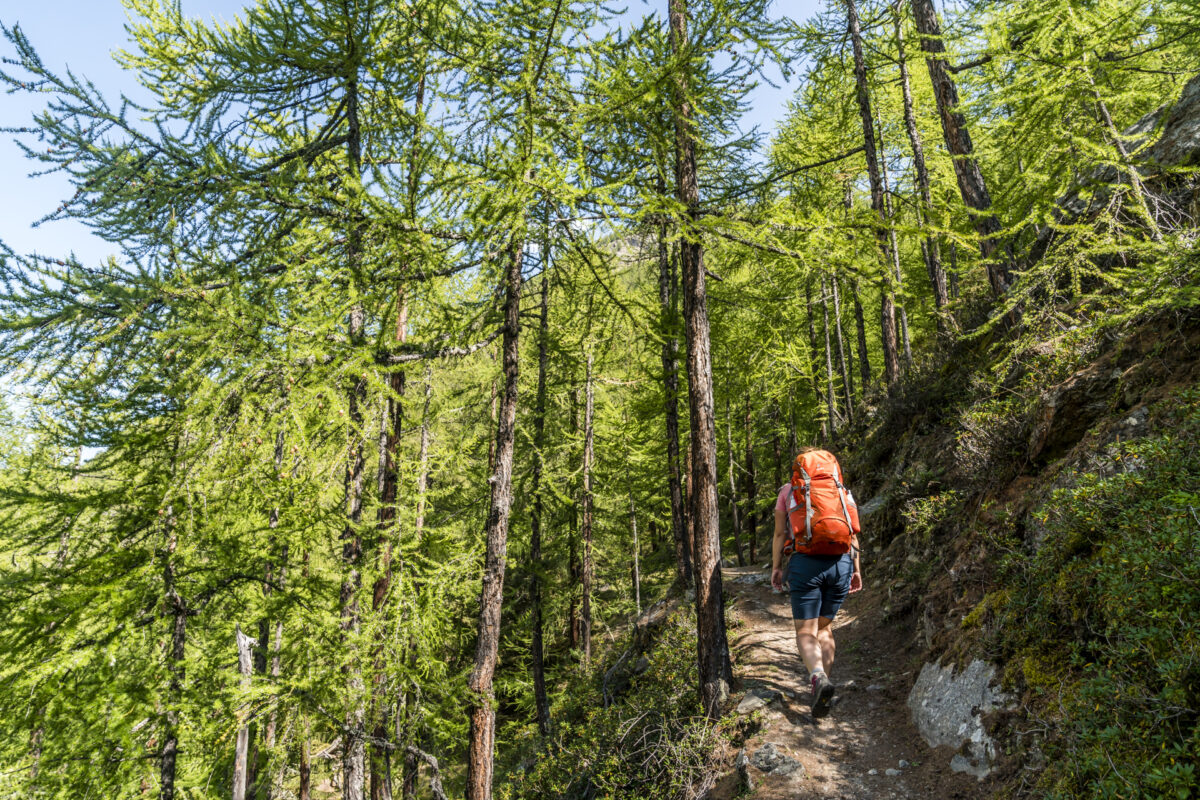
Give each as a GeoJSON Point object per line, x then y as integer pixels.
{"type": "Point", "coordinates": [1100, 624]}
{"type": "Point", "coordinates": [652, 741]}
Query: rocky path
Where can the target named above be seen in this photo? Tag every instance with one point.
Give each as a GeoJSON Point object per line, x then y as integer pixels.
{"type": "Point", "coordinates": [868, 747]}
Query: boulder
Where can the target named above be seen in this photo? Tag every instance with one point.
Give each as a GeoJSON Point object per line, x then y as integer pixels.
{"type": "Point", "coordinates": [948, 710]}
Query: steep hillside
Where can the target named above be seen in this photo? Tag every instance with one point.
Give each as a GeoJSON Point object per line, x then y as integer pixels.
{"type": "Point", "coordinates": [1035, 509]}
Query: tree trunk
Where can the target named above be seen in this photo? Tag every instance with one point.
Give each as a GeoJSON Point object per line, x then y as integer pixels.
{"type": "Point", "coordinates": [389, 534]}
{"type": "Point", "coordinates": [573, 570]}
{"type": "Point", "coordinates": [953, 271]}
{"type": "Point", "coordinates": [670, 365]}
{"type": "Point", "coordinates": [812, 340]}
{"type": "Point", "coordinates": [540, 702]}
{"type": "Point", "coordinates": [305, 789]}
{"type": "Point", "coordinates": [891, 361]}
{"type": "Point", "coordinates": [830, 397]}
{"type": "Point", "coordinates": [847, 381]}
{"type": "Point", "coordinates": [175, 667]}
{"type": "Point", "coordinates": [633, 531]}
{"type": "Point", "coordinates": [958, 142]}
{"type": "Point", "coordinates": [864, 358]}
{"type": "Point", "coordinates": [891, 216]}
{"type": "Point", "coordinates": [751, 488]}
{"type": "Point", "coordinates": [778, 475]}
{"type": "Point", "coordinates": [423, 458]}
{"type": "Point", "coordinates": [276, 642]}
{"type": "Point", "coordinates": [585, 616]}
{"type": "Point", "coordinates": [480, 749]}
{"type": "Point", "coordinates": [353, 744]}
{"type": "Point", "coordinates": [712, 645]}
{"type": "Point", "coordinates": [242, 747]}
{"type": "Point", "coordinates": [412, 765]}
{"type": "Point", "coordinates": [930, 248]}
{"type": "Point", "coordinates": [733, 493]}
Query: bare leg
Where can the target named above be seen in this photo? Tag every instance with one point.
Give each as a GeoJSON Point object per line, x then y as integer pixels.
{"type": "Point", "coordinates": [825, 641]}
{"type": "Point", "coordinates": [809, 644]}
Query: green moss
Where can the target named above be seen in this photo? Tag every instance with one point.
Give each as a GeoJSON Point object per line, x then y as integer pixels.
{"type": "Point", "coordinates": [991, 602]}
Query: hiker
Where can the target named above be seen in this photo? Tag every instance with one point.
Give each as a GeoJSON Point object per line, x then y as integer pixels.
{"type": "Point", "coordinates": [816, 534]}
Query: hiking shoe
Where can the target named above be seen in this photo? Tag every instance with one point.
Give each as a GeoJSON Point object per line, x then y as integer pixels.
{"type": "Point", "coordinates": [822, 695]}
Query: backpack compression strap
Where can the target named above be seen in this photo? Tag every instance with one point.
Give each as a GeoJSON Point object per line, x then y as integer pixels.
{"type": "Point", "coordinates": [808, 510]}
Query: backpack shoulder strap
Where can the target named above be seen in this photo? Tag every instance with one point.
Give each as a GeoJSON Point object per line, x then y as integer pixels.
{"type": "Point", "coordinates": [808, 509]}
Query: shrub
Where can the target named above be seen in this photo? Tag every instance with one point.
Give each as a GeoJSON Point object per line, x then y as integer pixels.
{"type": "Point", "coordinates": [652, 742]}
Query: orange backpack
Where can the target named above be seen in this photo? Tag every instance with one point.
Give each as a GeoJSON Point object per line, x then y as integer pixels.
{"type": "Point", "coordinates": [822, 515]}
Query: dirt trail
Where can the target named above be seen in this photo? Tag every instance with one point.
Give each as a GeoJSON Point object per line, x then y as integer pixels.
{"type": "Point", "coordinates": [857, 751]}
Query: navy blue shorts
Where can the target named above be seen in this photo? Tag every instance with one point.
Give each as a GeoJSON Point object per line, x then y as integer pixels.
{"type": "Point", "coordinates": [819, 584]}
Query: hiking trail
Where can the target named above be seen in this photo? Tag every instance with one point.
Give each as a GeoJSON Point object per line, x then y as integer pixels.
{"type": "Point", "coordinates": [868, 747]}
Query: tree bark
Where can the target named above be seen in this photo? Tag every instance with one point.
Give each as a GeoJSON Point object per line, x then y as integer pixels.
{"type": "Point", "coordinates": [958, 142]}
{"type": "Point", "coordinates": [540, 702]}
{"type": "Point", "coordinates": [733, 492]}
{"type": "Point", "coordinates": [670, 365]}
{"type": "Point", "coordinates": [847, 380]}
{"type": "Point", "coordinates": [574, 575]}
{"type": "Point", "coordinates": [585, 615]}
{"type": "Point", "coordinates": [423, 458]}
{"type": "Point", "coordinates": [242, 747]}
{"type": "Point", "coordinates": [751, 488]}
{"type": "Point", "coordinates": [712, 644]}
{"type": "Point", "coordinates": [269, 732]}
{"type": "Point", "coordinates": [930, 247]}
{"type": "Point", "coordinates": [305, 789]}
{"type": "Point", "coordinates": [891, 361]}
{"type": "Point", "coordinates": [412, 765]}
{"type": "Point", "coordinates": [633, 532]}
{"type": "Point", "coordinates": [891, 216]}
{"type": "Point", "coordinates": [480, 755]}
{"type": "Point", "coordinates": [864, 358]}
{"type": "Point", "coordinates": [177, 611]}
{"type": "Point", "coordinates": [953, 271]}
{"type": "Point", "coordinates": [389, 533]}
{"type": "Point", "coordinates": [354, 746]}
{"type": "Point", "coordinates": [812, 340]}
{"type": "Point", "coordinates": [830, 397]}
{"type": "Point", "coordinates": [778, 474]}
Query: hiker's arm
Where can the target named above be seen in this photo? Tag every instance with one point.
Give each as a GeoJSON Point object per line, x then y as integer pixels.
{"type": "Point", "coordinates": [856, 579]}
{"type": "Point", "coordinates": [777, 549]}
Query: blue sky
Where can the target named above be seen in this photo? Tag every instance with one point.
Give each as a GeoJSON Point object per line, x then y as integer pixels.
{"type": "Point", "coordinates": [83, 34]}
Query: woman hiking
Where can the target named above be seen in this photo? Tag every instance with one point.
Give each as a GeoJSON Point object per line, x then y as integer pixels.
{"type": "Point", "coordinates": [816, 535]}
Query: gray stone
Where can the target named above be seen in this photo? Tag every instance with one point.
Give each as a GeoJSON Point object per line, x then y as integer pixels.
{"type": "Point", "coordinates": [904, 764]}
{"type": "Point", "coordinates": [787, 766]}
{"type": "Point", "coordinates": [868, 508]}
{"type": "Point", "coordinates": [769, 759]}
{"type": "Point", "coordinates": [947, 710]}
{"type": "Point", "coordinates": [758, 697]}
{"type": "Point", "coordinates": [891, 773]}
{"type": "Point", "coordinates": [872, 772]}
{"type": "Point", "coordinates": [961, 763]}
{"type": "Point", "coordinates": [875, 687]}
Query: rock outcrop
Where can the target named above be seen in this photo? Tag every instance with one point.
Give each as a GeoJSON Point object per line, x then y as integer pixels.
{"type": "Point", "coordinates": [948, 710]}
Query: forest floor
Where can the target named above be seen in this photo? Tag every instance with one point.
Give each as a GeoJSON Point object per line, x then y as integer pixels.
{"type": "Point", "coordinates": [868, 746]}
